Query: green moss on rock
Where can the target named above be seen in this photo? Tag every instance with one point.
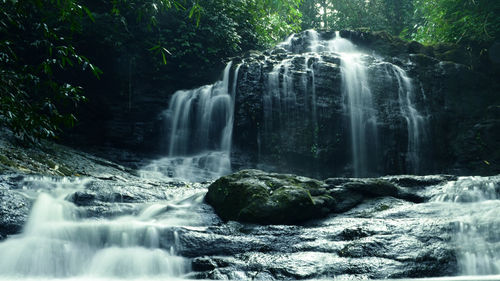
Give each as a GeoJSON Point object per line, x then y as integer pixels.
{"type": "Point", "coordinates": [258, 197]}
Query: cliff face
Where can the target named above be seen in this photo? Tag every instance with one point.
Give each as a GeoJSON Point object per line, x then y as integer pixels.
{"type": "Point", "coordinates": [419, 109]}
{"type": "Point", "coordinates": [429, 115]}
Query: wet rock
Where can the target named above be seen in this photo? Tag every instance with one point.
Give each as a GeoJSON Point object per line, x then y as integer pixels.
{"type": "Point", "coordinates": [447, 90]}
{"type": "Point", "coordinates": [81, 198]}
{"type": "Point", "coordinates": [269, 198]}
{"type": "Point", "coordinates": [255, 196]}
{"type": "Point", "coordinates": [14, 206]}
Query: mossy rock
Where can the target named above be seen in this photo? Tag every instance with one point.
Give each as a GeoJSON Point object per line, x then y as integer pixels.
{"type": "Point", "coordinates": [4, 160]}
{"type": "Point", "coordinates": [373, 187]}
{"type": "Point", "coordinates": [267, 198]}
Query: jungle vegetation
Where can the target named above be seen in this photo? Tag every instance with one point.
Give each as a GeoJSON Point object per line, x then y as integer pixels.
{"type": "Point", "coordinates": [50, 49]}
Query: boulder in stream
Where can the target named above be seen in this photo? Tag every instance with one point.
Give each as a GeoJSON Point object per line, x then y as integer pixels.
{"type": "Point", "coordinates": [270, 198]}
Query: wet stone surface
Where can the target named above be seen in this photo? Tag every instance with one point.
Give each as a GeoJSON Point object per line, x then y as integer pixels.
{"type": "Point", "coordinates": [381, 236]}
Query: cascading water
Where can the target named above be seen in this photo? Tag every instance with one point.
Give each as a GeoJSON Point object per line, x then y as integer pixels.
{"type": "Point", "coordinates": [58, 240]}
{"type": "Point", "coordinates": [359, 105]}
{"type": "Point", "coordinates": [200, 125]}
{"type": "Point", "coordinates": [415, 121]}
{"type": "Point", "coordinates": [474, 205]}
{"type": "Point", "coordinates": [291, 91]}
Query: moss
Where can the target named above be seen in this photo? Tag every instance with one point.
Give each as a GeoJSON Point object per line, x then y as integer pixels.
{"type": "Point", "coordinates": [382, 207]}
{"type": "Point", "coordinates": [254, 196]}
{"type": "Point", "coordinates": [6, 161]}
{"type": "Point", "coordinates": [65, 171]}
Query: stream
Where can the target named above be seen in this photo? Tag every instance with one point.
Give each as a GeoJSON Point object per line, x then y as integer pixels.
{"type": "Point", "coordinates": [170, 233]}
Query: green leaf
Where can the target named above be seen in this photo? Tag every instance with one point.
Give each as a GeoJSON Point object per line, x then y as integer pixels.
{"type": "Point", "coordinates": [154, 48]}
{"type": "Point", "coordinates": [89, 13]}
{"type": "Point", "coordinates": [163, 57]}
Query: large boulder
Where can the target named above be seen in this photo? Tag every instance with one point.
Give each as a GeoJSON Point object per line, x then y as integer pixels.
{"type": "Point", "coordinates": [269, 198]}
{"type": "Point", "coordinates": [256, 196]}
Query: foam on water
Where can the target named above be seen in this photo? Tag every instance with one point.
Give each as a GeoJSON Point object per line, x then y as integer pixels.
{"type": "Point", "coordinates": [59, 242]}
{"type": "Point", "coordinates": [475, 206]}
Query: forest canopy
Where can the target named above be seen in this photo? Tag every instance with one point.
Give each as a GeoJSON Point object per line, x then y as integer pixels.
{"type": "Point", "coordinates": [48, 46]}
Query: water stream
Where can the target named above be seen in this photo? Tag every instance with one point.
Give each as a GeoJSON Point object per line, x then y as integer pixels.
{"type": "Point", "coordinates": [60, 241]}
{"type": "Point", "coordinates": [475, 204]}
{"type": "Point", "coordinates": [291, 92]}
{"type": "Point", "coordinates": [359, 105]}
{"type": "Point", "coordinates": [63, 241]}
{"type": "Point", "coordinates": [200, 126]}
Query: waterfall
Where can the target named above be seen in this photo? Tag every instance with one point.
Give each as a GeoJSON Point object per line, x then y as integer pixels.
{"type": "Point", "coordinates": [359, 105]}
{"type": "Point", "coordinates": [200, 126]}
{"type": "Point", "coordinates": [415, 122]}
{"type": "Point", "coordinates": [293, 113]}
{"type": "Point", "coordinates": [58, 241]}
{"type": "Point", "coordinates": [358, 100]}
{"type": "Point", "coordinates": [474, 204]}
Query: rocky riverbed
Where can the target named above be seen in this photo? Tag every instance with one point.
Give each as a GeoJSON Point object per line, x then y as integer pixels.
{"type": "Point", "coordinates": [389, 227]}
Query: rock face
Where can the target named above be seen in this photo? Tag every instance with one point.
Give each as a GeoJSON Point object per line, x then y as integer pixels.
{"type": "Point", "coordinates": [308, 131]}
{"type": "Point", "coordinates": [14, 208]}
{"type": "Point", "coordinates": [291, 111]}
{"type": "Point", "coordinates": [269, 198]}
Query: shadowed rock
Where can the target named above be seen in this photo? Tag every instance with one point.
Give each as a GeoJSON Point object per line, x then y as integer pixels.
{"type": "Point", "coordinates": [270, 198]}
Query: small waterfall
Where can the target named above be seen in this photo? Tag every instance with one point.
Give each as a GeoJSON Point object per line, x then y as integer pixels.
{"type": "Point", "coordinates": [59, 242]}
{"type": "Point", "coordinates": [415, 122]}
{"type": "Point", "coordinates": [358, 100]}
{"type": "Point", "coordinates": [200, 122]}
{"type": "Point", "coordinates": [359, 104]}
{"type": "Point", "coordinates": [358, 96]}
{"type": "Point", "coordinates": [474, 204]}
{"type": "Point", "coordinates": [279, 99]}
{"type": "Point", "coordinates": [293, 113]}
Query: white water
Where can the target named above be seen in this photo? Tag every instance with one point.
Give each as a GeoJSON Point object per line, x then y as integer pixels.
{"type": "Point", "coordinates": [474, 204]}
{"type": "Point", "coordinates": [360, 107]}
{"type": "Point", "coordinates": [415, 121]}
{"type": "Point", "coordinates": [359, 100]}
{"type": "Point", "coordinates": [200, 126]}
{"type": "Point", "coordinates": [59, 242]}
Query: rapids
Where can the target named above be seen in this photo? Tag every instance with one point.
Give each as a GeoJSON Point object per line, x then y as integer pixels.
{"type": "Point", "coordinates": [180, 237]}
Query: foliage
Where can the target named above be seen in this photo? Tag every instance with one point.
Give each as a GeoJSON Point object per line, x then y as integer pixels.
{"type": "Point", "coordinates": [457, 20]}
{"type": "Point", "coordinates": [273, 20]}
{"type": "Point", "coordinates": [42, 42]}
{"type": "Point", "coordinates": [229, 27]}
{"type": "Point", "coordinates": [187, 45]}
{"type": "Point", "coordinates": [427, 21]}
{"type": "Point", "coordinates": [388, 15]}
{"type": "Point", "coordinates": [36, 50]}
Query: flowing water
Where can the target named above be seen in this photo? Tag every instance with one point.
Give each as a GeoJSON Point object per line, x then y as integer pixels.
{"type": "Point", "coordinates": [359, 105]}
{"type": "Point", "coordinates": [475, 204]}
{"type": "Point", "coordinates": [200, 126]}
{"type": "Point", "coordinates": [200, 122]}
{"type": "Point", "coordinates": [291, 91]}
{"type": "Point", "coordinates": [415, 121]}
{"type": "Point", "coordinates": [61, 241]}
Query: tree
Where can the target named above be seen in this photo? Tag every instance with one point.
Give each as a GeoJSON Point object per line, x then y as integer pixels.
{"type": "Point", "coordinates": [35, 52]}
{"type": "Point", "coordinates": [457, 20]}
{"type": "Point", "coordinates": [389, 15]}
{"type": "Point", "coordinates": [42, 45]}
